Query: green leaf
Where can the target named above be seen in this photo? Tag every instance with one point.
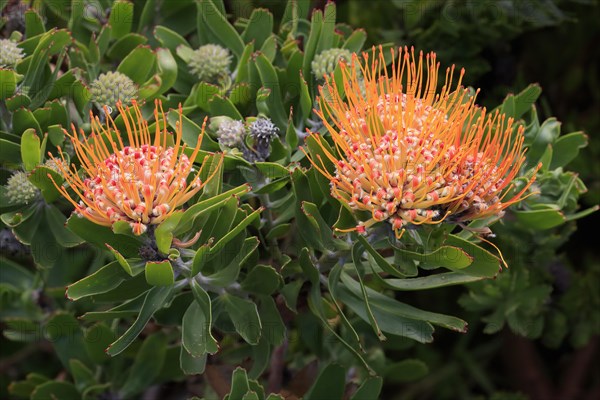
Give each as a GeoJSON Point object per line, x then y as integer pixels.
{"type": "Point", "coordinates": [239, 384]}
{"type": "Point", "coordinates": [22, 120]}
{"type": "Point", "coordinates": [56, 220]}
{"type": "Point", "coordinates": [43, 178]}
{"type": "Point", "coordinates": [310, 49]}
{"type": "Point", "coordinates": [357, 250]}
{"type": "Point", "coordinates": [259, 27]}
{"type": "Point", "coordinates": [209, 14]}
{"type": "Point", "coordinates": [484, 264]}
{"type": "Point", "coordinates": [244, 315]}
{"type": "Point", "coordinates": [17, 101]}
{"type": "Point", "coordinates": [355, 41]}
{"type": "Point", "coordinates": [330, 384]}
{"type": "Point", "coordinates": [33, 23]}
{"type": "Point", "coordinates": [290, 294]}
{"type": "Point", "coordinates": [164, 232]}
{"type": "Point", "coordinates": [566, 148]}
{"type": "Point", "coordinates": [390, 321]}
{"type": "Point", "coordinates": [97, 339]}
{"type": "Point", "coordinates": [64, 332]}
{"type": "Point", "coordinates": [160, 273]}
{"type": "Point", "coordinates": [154, 300]}
{"type": "Point", "coordinates": [105, 279]}
{"type": "Point", "coordinates": [379, 259]}
{"type": "Point", "coordinates": [262, 279]}
{"type": "Point", "coordinates": [169, 38]}
{"type": "Point", "coordinates": [81, 96]}
{"type": "Point", "coordinates": [167, 69]}
{"type": "Point", "coordinates": [9, 151]}
{"type": "Point", "coordinates": [270, 80]}
{"type": "Point", "coordinates": [306, 103]}
{"type": "Point", "coordinates": [30, 149]}
{"type": "Point", "coordinates": [386, 305]}
{"type": "Point", "coordinates": [125, 45]}
{"type": "Point", "coordinates": [516, 106]}
{"type": "Point", "coordinates": [121, 18]}
{"type": "Point", "coordinates": [208, 205]}
{"type": "Point", "coordinates": [101, 235]}
{"type": "Point", "coordinates": [219, 105]}
{"type": "Point", "coordinates": [138, 64]}
{"type": "Point", "coordinates": [540, 219]}
{"type": "Point", "coordinates": [370, 389]}
{"type": "Point", "coordinates": [452, 258]}
{"type": "Point", "coordinates": [191, 365]}
{"type": "Point", "coordinates": [235, 231]}
{"type": "Point", "coordinates": [328, 28]}
{"type": "Point", "coordinates": [273, 328]}
{"type": "Point", "coordinates": [194, 333]}
{"type": "Point", "coordinates": [9, 81]}
{"type": "Point", "coordinates": [431, 282]}
{"type": "Point", "coordinates": [82, 375]}
{"type": "Point", "coordinates": [146, 365]}
{"type": "Point", "coordinates": [55, 390]}
{"type": "Point", "coordinates": [406, 371]}
{"type": "Point", "coordinates": [197, 323]}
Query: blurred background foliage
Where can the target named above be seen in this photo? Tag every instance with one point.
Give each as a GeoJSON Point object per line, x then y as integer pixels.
{"type": "Point", "coordinates": [533, 331]}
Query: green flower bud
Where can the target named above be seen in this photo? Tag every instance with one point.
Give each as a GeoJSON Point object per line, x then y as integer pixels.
{"type": "Point", "coordinates": [10, 54]}
{"type": "Point", "coordinates": [19, 190]}
{"type": "Point", "coordinates": [326, 61]}
{"type": "Point", "coordinates": [111, 87]}
{"type": "Point", "coordinates": [231, 133]}
{"type": "Point", "coordinates": [210, 62]}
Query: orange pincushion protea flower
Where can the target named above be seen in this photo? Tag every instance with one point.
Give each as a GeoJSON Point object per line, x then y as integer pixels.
{"type": "Point", "coordinates": [409, 155]}
{"type": "Point", "coordinates": [142, 182]}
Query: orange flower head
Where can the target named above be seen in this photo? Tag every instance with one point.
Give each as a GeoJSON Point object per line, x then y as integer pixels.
{"type": "Point", "coordinates": [141, 182]}
{"type": "Point", "coordinates": [410, 154]}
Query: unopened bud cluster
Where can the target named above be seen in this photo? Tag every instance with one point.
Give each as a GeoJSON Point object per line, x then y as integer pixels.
{"type": "Point", "coordinates": [260, 133]}
{"type": "Point", "coordinates": [326, 62]}
{"type": "Point", "coordinates": [210, 62]}
{"type": "Point", "coordinates": [19, 189]}
{"type": "Point", "coordinates": [110, 88]}
{"type": "Point", "coordinates": [10, 54]}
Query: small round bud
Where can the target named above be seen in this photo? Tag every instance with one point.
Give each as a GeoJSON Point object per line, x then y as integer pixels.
{"type": "Point", "coordinates": [19, 189]}
{"type": "Point", "coordinates": [326, 61]}
{"type": "Point", "coordinates": [10, 54]}
{"type": "Point", "coordinates": [111, 87]}
{"type": "Point", "coordinates": [231, 133]}
{"type": "Point", "coordinates": [210, 62]}
{"type": "Point", "coordinates": [263, 131]}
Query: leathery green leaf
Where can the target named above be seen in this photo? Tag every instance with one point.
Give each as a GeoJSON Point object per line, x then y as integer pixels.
{"type": "Point", "coordinates": [450, 257]}
{"type": "Point", "coordinates": [146, 365]}
{"type": "Point", "coordinates": [153, 301]}
{"type": "Point", "coordinates": [164, 232]}
{"type": "Point", "coordinates": [160, 273]}
{"type": "Point", "coordinates": [101, 281]}
{"type": "Point", "coordinates": [244, 315]}
{"type": "Point", "coordinates": [31, 153]}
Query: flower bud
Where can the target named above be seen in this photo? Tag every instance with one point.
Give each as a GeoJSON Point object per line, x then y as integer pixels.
{"type": "Point", "coordinates": [111, 87]}
{"type": "Point", "coordinates": [19, 189]}
{"type": "Point", "coordinates": [326, 61]}
{"type": "Point", "coordinates": [10, 54]}
{"type": "Point", "coordinates": [231, 133]}
{"type": "Point", "coordinates": [210, 62]}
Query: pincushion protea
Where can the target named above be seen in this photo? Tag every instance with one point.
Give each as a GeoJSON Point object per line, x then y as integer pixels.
{"type": "Point", "coordinates": [409, 154]}
{"type": "Point", "coordinates": [141, 182]}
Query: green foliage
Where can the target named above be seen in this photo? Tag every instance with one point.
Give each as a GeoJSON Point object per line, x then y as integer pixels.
{"type": "Point", "coordinates": [252, 272]}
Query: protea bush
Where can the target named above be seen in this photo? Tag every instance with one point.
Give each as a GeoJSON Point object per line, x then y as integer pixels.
{"type": "Point", "coordinates": [201, 200]}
